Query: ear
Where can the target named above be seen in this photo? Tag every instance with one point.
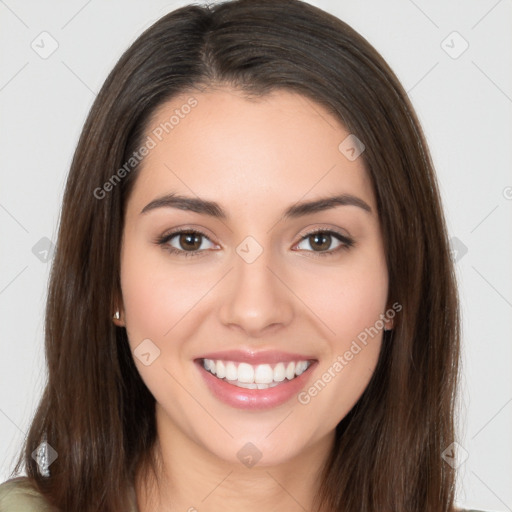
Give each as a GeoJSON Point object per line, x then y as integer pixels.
{"type": "Point", "coordinates": [388, 324]}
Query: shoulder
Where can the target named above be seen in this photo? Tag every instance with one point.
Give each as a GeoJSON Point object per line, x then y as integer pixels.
{"type": "Point", "coordinates": [20, 495]}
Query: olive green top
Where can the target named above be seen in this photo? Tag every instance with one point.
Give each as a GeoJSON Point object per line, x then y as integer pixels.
{"type": "Point", "coordinates": [18, 495]}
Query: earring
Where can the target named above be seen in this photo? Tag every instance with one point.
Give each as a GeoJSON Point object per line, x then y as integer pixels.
{"type": "Point", "coordinates": [116, 315]}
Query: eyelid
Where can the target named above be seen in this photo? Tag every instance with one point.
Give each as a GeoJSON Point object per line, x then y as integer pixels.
{"type": "Point", "coordinates": [325, 229]}
{"type": "Point", "coordinates": [185, 229]}
{"type": "Point", "coordinates": [343, 234]}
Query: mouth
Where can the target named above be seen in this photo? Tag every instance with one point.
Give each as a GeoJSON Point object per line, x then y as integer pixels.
{"type": "Point", "coordinates": [250, 376]}
{"type": "Point", "coordinates": [272, 380]}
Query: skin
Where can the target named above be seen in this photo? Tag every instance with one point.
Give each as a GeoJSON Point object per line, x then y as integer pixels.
{"type": "Point", "coordinates": [254, 158]}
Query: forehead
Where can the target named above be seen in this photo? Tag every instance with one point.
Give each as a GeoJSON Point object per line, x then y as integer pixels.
{"type": "Point", "coordinates": [280, 147]}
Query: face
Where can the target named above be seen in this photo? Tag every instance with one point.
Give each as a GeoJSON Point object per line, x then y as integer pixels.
{"type": "Point", "coordinates": [232, 253]}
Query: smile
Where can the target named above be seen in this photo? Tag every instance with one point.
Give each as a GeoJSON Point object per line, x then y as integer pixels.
{"type": "Point", "coordinates": [270, 380]}
{"type": "Point", "coordinates": [249, 376]}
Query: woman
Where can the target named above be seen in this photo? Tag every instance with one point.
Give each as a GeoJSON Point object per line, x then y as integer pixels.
{"type": "Point", "coordinates": [252, 303]}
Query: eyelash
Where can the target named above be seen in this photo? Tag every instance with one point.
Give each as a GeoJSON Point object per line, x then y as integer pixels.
{"type": "Point", "coordinates": [346, 242]}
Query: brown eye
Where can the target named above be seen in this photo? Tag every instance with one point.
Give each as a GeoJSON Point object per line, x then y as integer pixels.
{"type": "Point", "coordinates": [190, 241]}
{"type": "Point", "coordinates": [325, 242]}
{"type": "Point", "coordinates": [320, 241]}
{"type": "Point", "coordinates": [186, 242]}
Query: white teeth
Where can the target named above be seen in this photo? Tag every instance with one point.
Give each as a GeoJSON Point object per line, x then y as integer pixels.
{"type": "Point", "coordinates": [263, 374]}
{"type": "Point", "coordinates": [208, 364]}
{"type": "Point", "coordinates": [259, 376]}
{"type": "Point", "coordinates": [299, 368]}
{"type": "Point", "coordinates": [245, 373]}
{"type": "Point", "coordinates": [231, 371]}
{"type": "Point", "coordinates": [247, 385]}
{"type": "Point", "coordinates": [290, 371]}
{"type": "Point", "coordinates": [221, 370]}
{"type": "Point", "coordinates": [279, 372]}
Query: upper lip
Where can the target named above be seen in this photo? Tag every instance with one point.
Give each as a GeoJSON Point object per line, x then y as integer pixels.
{"type": "Point", "coordinates": [253, 357]}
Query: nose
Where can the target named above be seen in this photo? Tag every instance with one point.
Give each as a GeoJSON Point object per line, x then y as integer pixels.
{"type": "Point", "coordinates": [256, 300]}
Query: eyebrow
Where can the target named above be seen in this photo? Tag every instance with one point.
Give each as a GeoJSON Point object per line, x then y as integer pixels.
{"type": "Point", "coordinates": [213, 209]}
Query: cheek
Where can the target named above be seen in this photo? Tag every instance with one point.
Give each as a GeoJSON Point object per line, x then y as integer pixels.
{"type": "Point", "coordinates": [361, 299]}
{"type": "Point", "coordinates": [349, 299]}
{"type": "Point", "coordinates": [155, 297]}
{"type": "Point", "coordinates": [351, 304]}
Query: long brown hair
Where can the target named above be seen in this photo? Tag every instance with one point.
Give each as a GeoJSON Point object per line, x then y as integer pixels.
{"type": "Point", "coordinates": [95, 410]}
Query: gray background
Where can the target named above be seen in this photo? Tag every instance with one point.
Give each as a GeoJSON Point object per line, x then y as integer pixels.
{"type": "Point", "coordinates": [463, 99]}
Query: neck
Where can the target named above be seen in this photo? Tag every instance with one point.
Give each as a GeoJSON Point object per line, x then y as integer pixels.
{"type": "Point", "coordinates": [190, 478]}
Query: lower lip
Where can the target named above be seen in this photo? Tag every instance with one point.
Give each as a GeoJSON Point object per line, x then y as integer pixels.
{"type": "Point", "coordinates": [243, 398]}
